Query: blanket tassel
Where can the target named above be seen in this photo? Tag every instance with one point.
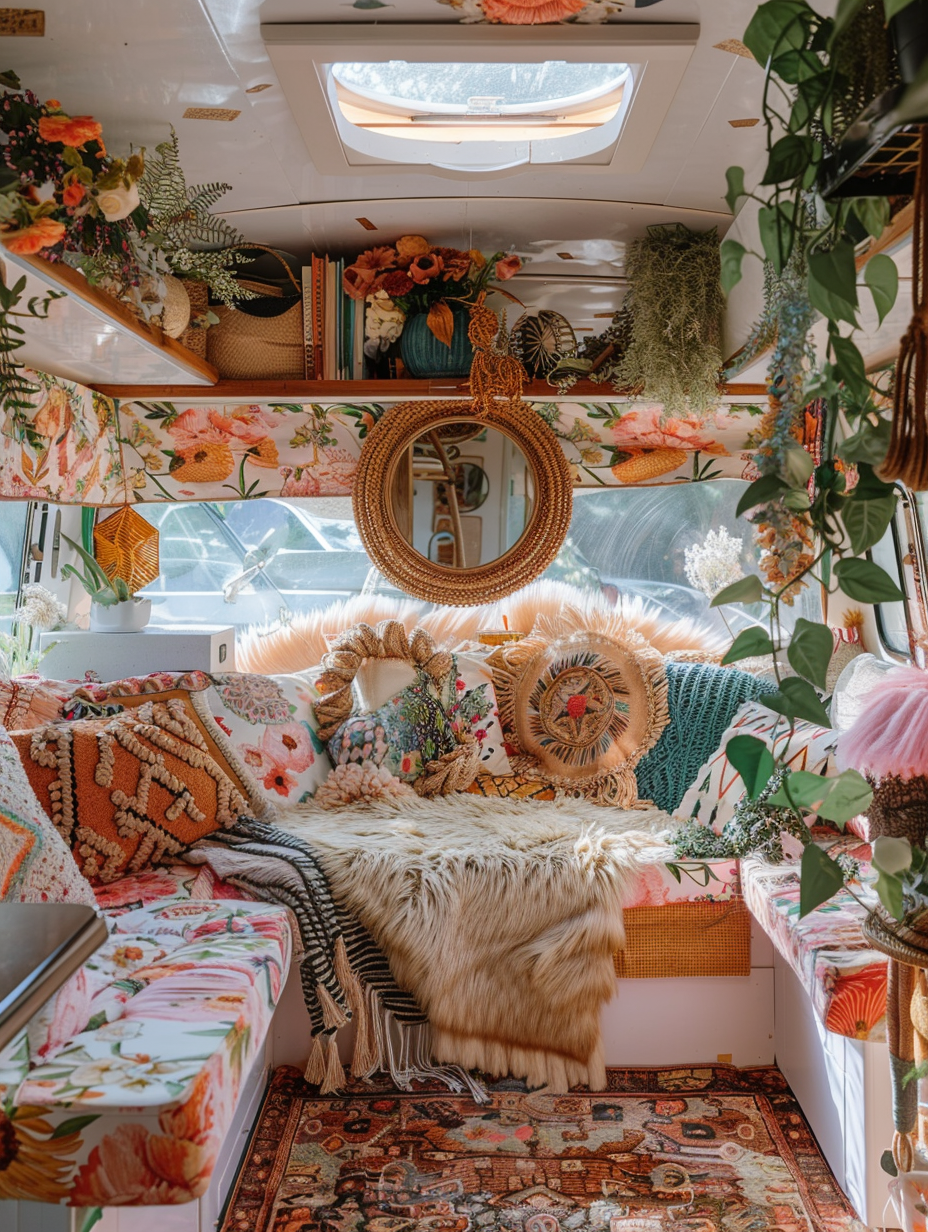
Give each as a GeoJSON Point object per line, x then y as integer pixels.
{"type": "Point", "coordinates": [333, 1016]}
{"type": "Point", "coordinates": [366, 1059]}
{"type": "Point", "coordinates": [334, 1078]}
{"type": "Point", "coordinates": [315, 1066]}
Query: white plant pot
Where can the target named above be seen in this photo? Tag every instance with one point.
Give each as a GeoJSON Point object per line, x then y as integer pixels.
{"type": "Point", "coordinates": [128, 617]}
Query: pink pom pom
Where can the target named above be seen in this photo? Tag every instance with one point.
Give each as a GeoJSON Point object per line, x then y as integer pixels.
{"type": "Point", "coordinates": [891, 736]}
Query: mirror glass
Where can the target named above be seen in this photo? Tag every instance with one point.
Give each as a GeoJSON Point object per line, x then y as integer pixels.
{"type": "Point", "coordinates": [462, 494]}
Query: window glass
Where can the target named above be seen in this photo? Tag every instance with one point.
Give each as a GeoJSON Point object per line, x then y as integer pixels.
{"type": "Point", "coordinates": [246, 562]}
{"type": "Point", "coordinates": [13, 523]}
{"type": "Point", "coordinates": [501, 89]}
{"type": "Point", "coordinates": [633, 541]}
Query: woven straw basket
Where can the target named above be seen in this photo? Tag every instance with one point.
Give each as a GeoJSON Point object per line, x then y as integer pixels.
{"type": "Point", "coordinates": [266, 347]}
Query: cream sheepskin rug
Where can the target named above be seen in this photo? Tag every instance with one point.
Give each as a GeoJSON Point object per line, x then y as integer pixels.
{"type": "Point", "coordinates": [501, 918]}
{"type": "Point", "coordinates": [303, 642]}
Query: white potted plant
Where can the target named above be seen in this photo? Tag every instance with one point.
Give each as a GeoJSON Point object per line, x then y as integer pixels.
{"type": "Point", "coordinates": [113, 606]}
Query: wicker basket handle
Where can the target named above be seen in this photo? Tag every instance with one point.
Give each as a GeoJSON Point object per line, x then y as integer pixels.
{"type": "Point", "coordinates": [274, 253]}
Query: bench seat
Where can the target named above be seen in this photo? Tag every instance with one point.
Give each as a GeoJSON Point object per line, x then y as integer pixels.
{"type": "Point", "coordinates": [844, 978]}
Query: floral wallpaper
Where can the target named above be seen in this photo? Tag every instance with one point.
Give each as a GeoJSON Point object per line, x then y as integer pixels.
{"type": "Point", "coordinates": [74, 446]}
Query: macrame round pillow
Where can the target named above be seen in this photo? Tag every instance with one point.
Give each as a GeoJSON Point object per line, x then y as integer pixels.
{"type": "Point", "coordinates": [582, 709]}
{"type": "Point", "coordinates": [452, 771]}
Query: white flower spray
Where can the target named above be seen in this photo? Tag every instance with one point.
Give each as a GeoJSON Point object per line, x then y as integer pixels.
{"type": "Point", "coordinates": [715, 563]}
{"type": "Point", "coordinates": [38, 612]}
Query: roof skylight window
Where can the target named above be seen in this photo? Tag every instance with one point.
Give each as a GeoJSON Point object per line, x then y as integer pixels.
{"type": "Point", "coordinates": [456, 103]}
{"type": "Point", "coordinates": [375, 100]}
{"type": "Point", "coordinates": [467, 89]}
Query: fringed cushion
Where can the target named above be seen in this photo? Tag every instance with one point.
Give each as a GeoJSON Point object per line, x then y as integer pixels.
{"type": "Point", "coordinates": [131, 790]}
{"type": "Point", "coordinates": [511, 787]}
{"type": "Point", "coordinates": [260, 729]}
{"type": "Point", "coordinates": [35, 864]}
{"type": "Point", "coordinates": [581, 710]}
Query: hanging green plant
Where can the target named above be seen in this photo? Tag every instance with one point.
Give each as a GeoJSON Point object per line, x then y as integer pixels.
{"type": "Point", "coordinates": [674, 356]}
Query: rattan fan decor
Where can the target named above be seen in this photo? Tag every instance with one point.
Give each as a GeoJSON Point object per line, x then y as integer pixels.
{"type": "Point", "coordinates": [126, 546]}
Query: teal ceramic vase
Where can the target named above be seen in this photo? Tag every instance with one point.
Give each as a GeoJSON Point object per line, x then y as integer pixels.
{"type": "Point", "coordinates": [425, 357]}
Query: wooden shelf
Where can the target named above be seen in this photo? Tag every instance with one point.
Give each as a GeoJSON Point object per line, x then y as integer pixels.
{"type": "Point", "coordinates": [90, 337]}
{"type": "Point", "coordinates": [369, 391]}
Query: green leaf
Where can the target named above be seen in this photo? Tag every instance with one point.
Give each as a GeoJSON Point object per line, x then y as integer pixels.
{"type": "Point", "coordinates": [776, 26]}
{"type": "Point", "coordinates": [775, 227]}
{"type": "Point", "coordinates": [868, 444]}
{"type": "Point", "coordinates": [760, 492]}
{"type": "Point", "coordinates": [832, 283]}
{"type": "Point", "coordinates": [882, 277]}
{"type": "Point", "coordinates": [803, 789]}
{"type": "Point", "coordinates": [798, 700]}
{"type": "Point", "coordinates": [870, 486]}
{"type": "Point", "coordinates": [819, 878]}
{"type": "Point", "coordinates": [749, 642]}
{"type": "Point", "coordinates": [850, 794]}
{"type": "Point", "coordinates": [73, 1125]}
{"type": "Point", "coordinates": [789, 158]}
{"type": "Point", "coordinates": [889, 889]}
{"type": "Point", "coordinates": [873, 213]}
{"type": "Point", "coordinates": [866, 521]}
{"type": "Point", "coordinates": [849, 362]}
{"type": "Point", "coordinates": [866, 582]}
{"type": "Point", "coordinates": [913, 106]}
{"type": "Point", "coordinates": [810, 649]}
{"type": "Point", "coordinates": [888, 1164]}
{"type": "Point", "coordinates": [734, 177]}
{"type": "Point", "coordinates": [92, 1217]}
{"type": "Point", "coordinates": [732, 254]}
{"type": "Point", "coordinates": [753, 761]}
{"type": "Point", "coordinates": [745, 590]}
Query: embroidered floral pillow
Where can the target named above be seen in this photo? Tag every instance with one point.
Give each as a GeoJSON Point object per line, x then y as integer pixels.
{"type": "Point", "coordinates": [270, 728]}
{"type": "Point", "coordinates": [404, 735]}
{"type": "Point", "coordinates": [469, 700]}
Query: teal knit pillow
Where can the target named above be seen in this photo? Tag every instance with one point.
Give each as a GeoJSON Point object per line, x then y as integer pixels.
{"type": "Point", "coordinates": [702, 700]}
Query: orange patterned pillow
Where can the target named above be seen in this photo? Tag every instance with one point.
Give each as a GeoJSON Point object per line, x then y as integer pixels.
{"type": "Point", "coordinates": [27, 703]}
{"type": "Point", "coordinates": [511, 787]}
{"type": "Point", "coordinates": [129, 791]}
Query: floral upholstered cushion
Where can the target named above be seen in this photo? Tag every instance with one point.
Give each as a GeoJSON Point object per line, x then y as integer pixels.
{"type": "Point", "coordinates": [130, 790]}
{"type": "Point", "coordinates": [130, 1098]}
{"type": "Point", "coordinates": [844, 977]}
{"type": "Point", "coordinates": [28, 702]}
{"type": "Point", "coordinates": [404, 735]}
{"type": "Point", "coordinates": [35, 863]}
{"type": "Point", "coordinates": [718, 786]}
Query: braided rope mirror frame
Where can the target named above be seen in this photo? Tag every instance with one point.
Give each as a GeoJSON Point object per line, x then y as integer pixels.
{"type": "Point", "coordinates": [381, 455]}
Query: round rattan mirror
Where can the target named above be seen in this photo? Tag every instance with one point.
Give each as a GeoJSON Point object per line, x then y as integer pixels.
{"type": "Point", "coordinates": [414, 499]}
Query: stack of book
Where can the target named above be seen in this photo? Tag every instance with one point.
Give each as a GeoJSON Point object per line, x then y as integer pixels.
{"type": "Point", "coordinates": [333, 324]}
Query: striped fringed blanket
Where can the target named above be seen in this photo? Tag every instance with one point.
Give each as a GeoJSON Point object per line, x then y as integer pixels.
{"type": "Point", "coordinates": [344, 974]}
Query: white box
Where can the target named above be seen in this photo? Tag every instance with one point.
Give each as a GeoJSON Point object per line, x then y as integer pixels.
{"type": "Point", "coordinates": [207, 648]}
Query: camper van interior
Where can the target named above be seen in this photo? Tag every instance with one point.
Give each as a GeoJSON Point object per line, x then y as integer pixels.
{"type": "Point", "coordinates": [463, 616]}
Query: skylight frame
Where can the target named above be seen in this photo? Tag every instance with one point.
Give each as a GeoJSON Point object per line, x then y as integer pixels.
{"type": "Point", "coordinates": [657, 55]}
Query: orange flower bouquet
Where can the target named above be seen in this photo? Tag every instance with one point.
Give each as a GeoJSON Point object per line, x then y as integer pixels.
{"type": "Point", "coordinates": [413, 276]}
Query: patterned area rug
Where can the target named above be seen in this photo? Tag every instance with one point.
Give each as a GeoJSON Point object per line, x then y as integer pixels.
{"type": "Point", "coordinates": [708, 1149]}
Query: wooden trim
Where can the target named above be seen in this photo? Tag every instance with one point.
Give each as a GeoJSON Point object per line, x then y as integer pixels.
{"type": "Point", "coordinates": [370, 391]}
{"type": "Point", "coordinates": [71, 280]}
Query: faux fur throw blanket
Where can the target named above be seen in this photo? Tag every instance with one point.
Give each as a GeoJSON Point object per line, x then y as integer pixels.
{"type": "Point", "coordinates": [499, 917]}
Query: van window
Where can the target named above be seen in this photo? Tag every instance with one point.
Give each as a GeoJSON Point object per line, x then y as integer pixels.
{"type": "Point", "coordinates": [13, 526]}
{"type": "Point", "coordinates": [254, 562]}
{"type": "Point", "coordinates": [633, 541]}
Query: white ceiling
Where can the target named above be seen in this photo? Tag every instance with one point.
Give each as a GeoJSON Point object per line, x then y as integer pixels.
{"type": "Point", "coordinates": [137, 66]}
